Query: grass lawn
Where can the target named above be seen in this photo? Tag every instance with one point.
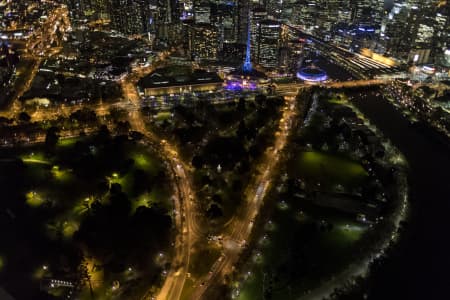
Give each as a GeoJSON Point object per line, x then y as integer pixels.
{"type": "Point", "coordinates": [68, 141]}
{"type": "Point", "coordinates": [161, 116]}
{"type": "Point", "coordinates": [253, 286]}
{"type": "Point", "coordinates": [202, 260]}
{"type": "Point", "coordinates": [337, 101]}
{"type": "Point", "coordinates": [299, 254]}
{"type": "Point", "coordinates": [326, 168]}
{"type": "Point", "coordinates": [146, 162]}
{"type": "Point", "coordinates": [309, 243]}
{"type": "Point", "coordinates": [188, 289]}
{"type": "Point", "coordinates": [58, 198]}
{"type": "Point", "coordinates": [35, 158]}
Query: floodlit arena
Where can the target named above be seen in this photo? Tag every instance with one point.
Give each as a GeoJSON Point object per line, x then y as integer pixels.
{"type": "Point", "coordinates": [312, 74]}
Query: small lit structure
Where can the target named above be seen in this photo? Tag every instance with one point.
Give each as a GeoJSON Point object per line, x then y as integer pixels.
{"type": "Point", "coordinates": [429, 70]}
{"type": "Point", "coordinates": [249, 81]}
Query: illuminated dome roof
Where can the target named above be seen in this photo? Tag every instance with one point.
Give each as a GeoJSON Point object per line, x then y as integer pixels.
{"type": "Point", "coordinates": [312, 74]}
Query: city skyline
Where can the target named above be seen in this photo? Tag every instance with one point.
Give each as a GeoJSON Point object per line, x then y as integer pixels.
{"type": "Point", "coordinates": [230, 149]}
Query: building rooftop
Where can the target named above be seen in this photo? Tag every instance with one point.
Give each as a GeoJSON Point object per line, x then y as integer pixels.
{"type": "Point", "coordinates": [166, 77]}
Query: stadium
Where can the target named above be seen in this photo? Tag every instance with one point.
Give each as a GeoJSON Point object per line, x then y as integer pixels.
{"type": "Point", "coordinates": [312, 74]}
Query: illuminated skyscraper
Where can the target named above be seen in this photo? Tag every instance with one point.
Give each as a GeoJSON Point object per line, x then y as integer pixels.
{"type": "Point", "coordinates": [305, 15]}
{"type": "Point", "coordinates": [243, 10]}
{"type": "Point", "coordinates": [226, 22]}
{"type": "Point", "coordinates": [274, 8]}
{"type": "Point", "coordinates": [203, 42]}
{"type": "Point", "coordinates": [202, 12]}
{"type": "Point", "coordinates": [269, 38]}
{"type": "Point", "coordinates": [257, 15]}
{"type": "Point", "coordinates": [411, 30]}
{"type": "Point", "coordinates": [367, 11]}
{"type": "Point", "coordinates": [127, 17]}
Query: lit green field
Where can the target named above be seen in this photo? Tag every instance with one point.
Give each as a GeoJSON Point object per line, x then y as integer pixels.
{"type": "Point", "coordinates": [53, 194]}
{"type": "Point", "coordinates": [291, 243]}
{"type": "Point", "coordinates": [296, 253]}
{"type": "Point", "coordinates": [321, 167]}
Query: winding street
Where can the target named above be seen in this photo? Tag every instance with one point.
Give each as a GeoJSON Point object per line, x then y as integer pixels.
{"type": "Point", "coordinates": [187, 227]}
{"type": "Point", "coordinates": [188, 230]}
{"type": "Point", "coordinates": [240, 229]}
{"type": "Point", "coordinates": [238, 232]}
{"type": "Point", "coordinates": [36, 51]}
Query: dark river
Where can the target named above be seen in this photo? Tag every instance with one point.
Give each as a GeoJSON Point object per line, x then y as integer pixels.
{"type": "Point", "coordinates": [420, 266]}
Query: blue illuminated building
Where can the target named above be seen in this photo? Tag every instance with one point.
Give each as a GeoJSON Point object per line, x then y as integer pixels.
{"type": "Point", "coordinates": [312, 74]}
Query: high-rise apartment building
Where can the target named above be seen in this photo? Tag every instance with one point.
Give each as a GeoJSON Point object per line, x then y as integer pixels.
{"type": "Point", "coordinates": [414, 31]}
{"type": "Point", "coordinates": [202, 12]}
{"type": "Point", "coordinates": [268, 43]}
{"type": "Point", "coordinates": [202, 42]}
{"type": "Point", "coordinates": [257, 15]}
{"type": "Point", "coordinates": [127, 17]}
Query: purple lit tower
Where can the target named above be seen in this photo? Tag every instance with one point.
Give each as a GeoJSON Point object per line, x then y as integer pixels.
{"type": "Point", "coordinates": [246, 78]}
{"type": "Point", "coordinates": [247, 67]}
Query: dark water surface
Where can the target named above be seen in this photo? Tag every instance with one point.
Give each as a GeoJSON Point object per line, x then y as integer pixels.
{"type": "Point", "coordinates": [420, 268]}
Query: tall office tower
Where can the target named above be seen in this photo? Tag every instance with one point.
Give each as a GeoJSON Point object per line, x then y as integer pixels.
{"type": "Point", "coordinates": [100, 8]}
{"type": "Point", "coordinates": [292, 49]}
{"type": "Point", "coordinates": [243, 9]}
{"type": "Point", "coordinates": [305, 15]}
{"type": "Point", "coordinates": [423, 29]}
{"type": "Point", "coordinates": [81, 10]}
{"type": "Point", "coordinates": [203, 42]}
{"type": "Point", "coordinates": [335, 12]}
{"type": "Point", "coordinates": [127, 17]}
{"type": "Point", "coordinates": [78, 9]}
{"type": "Point", "coordinates": [151, 16]}
{"type": "Point", "coordinates": [159, 22]}
{"type": "Point", "coordinates": [408, 31]}
{"type": "Point", "coordinates": [202, 12]}
{"type": "Point", "coordinates": [421, 3]}
{"type": "Point", "coordinates": [186, 9]}
{"type": "Point", "coordinates": [319, 17]}
{"type": "Point", "coordinates": [392, 40]}
{"type": "Point", "coordinates": [223, 16]}
{"type": "Point", "coordinates": [274, 8]}
{"type": "Point", "coordinates": [344, 13]}
{"type": "Point", "coordinates": [287, 8]}
{"type": "Point", "coordinates": [441, 41]}
{"type": "Point", "coordinates": [172, 9]}
{"type": "Point", "coordinates": [257, 15]}
{"type": "Point", "coordinates": [367, 12]}
{"type": "Point", "coordinates": [338, 11]}
{"type": "Point", "coordinates": [268, 43]}
{"type": "Point", "coordinates": [227, 21]}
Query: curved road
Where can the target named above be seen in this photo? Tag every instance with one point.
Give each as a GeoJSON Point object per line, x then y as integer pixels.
{"type": "Point", "coordinates": [241, 227]}
{"type": "Point", "coordinates": [188, 229]}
